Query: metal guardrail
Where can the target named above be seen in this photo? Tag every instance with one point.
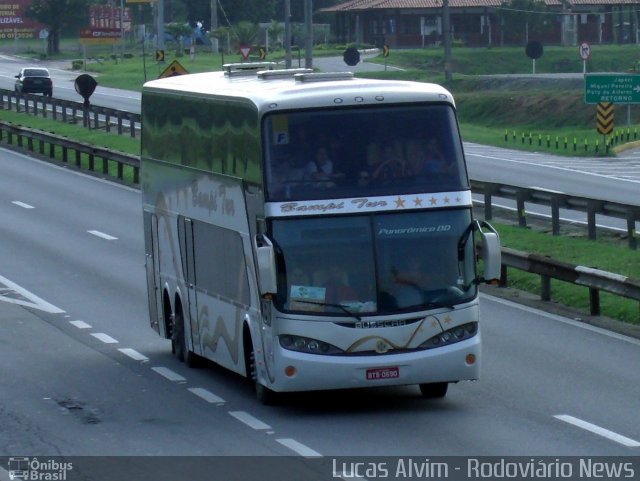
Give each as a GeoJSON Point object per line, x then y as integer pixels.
{"type": "Point", "coordinates": [556, 201]}
{"type": "Point", "coordinates": [93, 116]}
{"type": "Point", "coordinates": [71, 152]}
{"type": "Point", "coordinates": [594, 279]}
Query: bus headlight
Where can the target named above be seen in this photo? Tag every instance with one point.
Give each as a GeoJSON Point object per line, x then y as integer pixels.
{"type": "Point", "coordinates": [451, 336]}
{"type": "Point", "coordinates": [310, 346]}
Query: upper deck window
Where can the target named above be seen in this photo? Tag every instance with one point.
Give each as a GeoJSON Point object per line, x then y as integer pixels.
{"type": "Point", "coordinates": [353, 152]}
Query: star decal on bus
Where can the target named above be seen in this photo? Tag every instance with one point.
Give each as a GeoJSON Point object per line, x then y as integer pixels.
{"type": "Point", "coordinates": [433, 201]}
{"type": "Point", "coordinates": [417, 202]}
{"type": "Point", "coordinates": [399, 203]}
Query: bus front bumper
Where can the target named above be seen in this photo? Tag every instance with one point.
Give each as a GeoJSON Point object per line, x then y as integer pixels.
{"type": "Point", "coordinates": [296, 371]}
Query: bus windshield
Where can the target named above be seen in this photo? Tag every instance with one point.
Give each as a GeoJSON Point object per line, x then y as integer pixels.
{"type": "Point", "coordinates": [374, 264]}
{"type": "Point", "coordinates": [366, 151]}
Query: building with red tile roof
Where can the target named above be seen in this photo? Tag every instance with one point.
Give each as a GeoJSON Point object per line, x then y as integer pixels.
{"type": "Point", "coordinates": [415, 23]}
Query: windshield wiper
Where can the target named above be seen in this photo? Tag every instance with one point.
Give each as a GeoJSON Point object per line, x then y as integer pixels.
{"type": "Point", "coordinates": [438, 305]}
{"type": "Point", "coordinates": [340, 306]}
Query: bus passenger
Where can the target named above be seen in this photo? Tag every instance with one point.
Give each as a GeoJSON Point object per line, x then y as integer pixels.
{"type": "Point", "coordinates": [321, 169]}
{"type": "Point", "coordinates": [392, 165]}
{"type": "Point", "coordinates": [338, 288]}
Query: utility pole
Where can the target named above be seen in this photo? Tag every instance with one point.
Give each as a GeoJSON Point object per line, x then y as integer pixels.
{"type": "Point", "coordinates": [446, 37]}
{"type": "Point", "coordinates": [287, 33]}
{"type": "Point", "coordinates": [214, 25]}
{"type": "Point", "coordinates": [160, 28]}
{"type": "Point", "coordinates": [308, 24]}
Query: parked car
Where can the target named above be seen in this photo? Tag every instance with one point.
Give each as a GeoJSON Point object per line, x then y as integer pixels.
{"type": "Point", "coordinates": [33, 80]}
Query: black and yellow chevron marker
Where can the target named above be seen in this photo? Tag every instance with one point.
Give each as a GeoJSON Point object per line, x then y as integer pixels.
{"type": "Point", "coordinates": [605, 118]}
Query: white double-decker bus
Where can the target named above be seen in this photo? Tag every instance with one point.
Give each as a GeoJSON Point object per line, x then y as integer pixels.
{"type": "Point", "coordinates": [312, 231]}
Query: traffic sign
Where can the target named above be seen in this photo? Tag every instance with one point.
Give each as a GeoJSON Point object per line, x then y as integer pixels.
{"type": "Point", "coordinates": [173, 69]}
{"type": "Point", "coordinates": [245, 51]}
{"type": "Point", "coordinates": [616, 88]}
{"type": "Point", "coordinates": [159, 55]}
{"type": "Point", "coordinates": [262, 53]}
{"type": "Point", "coordinates": [584, 51]}
{"type": "Point", "coordinates": [351, 56]}
{"type": "Point", "coordinates": [385, 51]}
{"type": "Point", "coordinates": [605, 118]}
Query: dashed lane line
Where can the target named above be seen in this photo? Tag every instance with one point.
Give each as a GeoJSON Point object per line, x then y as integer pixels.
{"type": "Point", "coordinates": [133, 354]}
{"type": "Point", "coordinates": [169, 374]}
{"type": "Point", "coordinates": [605, 433]}
{"type": "Point", "coordinates": [101, 336]}
{"type": "Point", "coordinates": [249, 420]}
{"type": "Point", "coordinates": [102, 235]}
{"type": "Point", "coordinates": [22, 204]}
{"type": "Point", "coordinates": [80, 324]}
{"type": "Point", "coordinates": [299, 448]}
{"type": "Point", "coordinates": [206, 395]}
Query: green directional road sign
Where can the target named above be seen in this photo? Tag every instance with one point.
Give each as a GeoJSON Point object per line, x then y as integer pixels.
{"type": "Point", "coordinates": [620, 88]}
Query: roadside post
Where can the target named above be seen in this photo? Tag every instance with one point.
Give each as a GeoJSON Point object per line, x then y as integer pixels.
{"type": "Point", "coordinates": [534, 51]}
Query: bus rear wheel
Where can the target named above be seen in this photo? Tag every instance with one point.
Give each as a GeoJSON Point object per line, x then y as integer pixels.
{"type": "Point", "coordinates": [435, 390]}
{"type": "Point", "coordinates": [179, 341]}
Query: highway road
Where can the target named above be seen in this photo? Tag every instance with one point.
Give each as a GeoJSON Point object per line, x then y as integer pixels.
{"type": "Point", "coordinates": [83, 374]}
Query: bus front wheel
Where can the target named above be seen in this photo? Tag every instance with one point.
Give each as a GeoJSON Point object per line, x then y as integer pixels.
{"type": "Point", "coordinates": [435, 390]}
{"type": "Point", "coordinates": [264, 395]}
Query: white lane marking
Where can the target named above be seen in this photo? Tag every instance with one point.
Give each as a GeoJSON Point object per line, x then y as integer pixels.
{"type": "Point", "coordinates": [299, 448]}
{"type": "Point", "coordinates": [564, 169]}
{"type": "Point", "coordinates": [133, 354]}
{"type": "Point", "coordinates": [80, 324]}
{"type": "Point", "coordinates": [206, 395]}
{"type": "Point", "coordinates": [249, 420]}
{"type": "Point", "coordinates": [22, 204]}
{"type": "Point", "coordinates": [169, 374]}
{"type": "Point", "coordinates": [565, 320]}
{"type": "Point", "coordinates": [618, 438]}
{"type": "Point", "coordinates": [15, 294]}
{"type": "Point", "coordinates": [102, 235]}
{"type": "Point", "coordinates": [101, 336]}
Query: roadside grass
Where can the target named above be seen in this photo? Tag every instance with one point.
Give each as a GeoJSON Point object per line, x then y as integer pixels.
{"type": "Point", "coordinates": [486, 114]}
{"type": "Point", "coordinates": [608, 253]}
{"type": "Point", "coordinates": [77, 132]}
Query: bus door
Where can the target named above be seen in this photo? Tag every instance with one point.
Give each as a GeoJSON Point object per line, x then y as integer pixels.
{"type": "Point", "coordinates": [152, 267]}
{"type": "Point", "coordinates": [188, 265]}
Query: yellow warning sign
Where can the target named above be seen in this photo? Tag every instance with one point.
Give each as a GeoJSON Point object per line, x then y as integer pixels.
{"type": "Point", "coordinates": [605, 118]}
{"type": "Point", "coordinates": [173, 69]}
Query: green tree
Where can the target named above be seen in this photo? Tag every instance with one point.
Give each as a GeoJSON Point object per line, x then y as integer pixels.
{"type": "Point", "coordinates": [523, 19]}
{"type": "Point", "coordinates": [244, 33]}
{"type": "Point", "coordinates": [178, 31]}
{"type": "Point", "coordinates": [57, 15]}
{"type": "Point", "coordinates": [254, 11]}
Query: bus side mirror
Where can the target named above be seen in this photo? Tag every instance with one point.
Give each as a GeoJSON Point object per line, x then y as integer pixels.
{"type": "Point", "coordinates": [491, 254]}
{"type": "Point", "coordinates": [266, 265]}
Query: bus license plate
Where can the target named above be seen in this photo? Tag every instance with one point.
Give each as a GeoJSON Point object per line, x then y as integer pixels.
{"type": "Point", "coordinates": [382, 373]}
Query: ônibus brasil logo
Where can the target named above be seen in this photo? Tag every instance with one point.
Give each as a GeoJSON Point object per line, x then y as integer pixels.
{"type": "Point", "coordinates": [33, 469]}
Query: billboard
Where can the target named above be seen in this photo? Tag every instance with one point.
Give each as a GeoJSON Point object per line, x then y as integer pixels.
{"type": "Point", "coordinates": [14, 24]}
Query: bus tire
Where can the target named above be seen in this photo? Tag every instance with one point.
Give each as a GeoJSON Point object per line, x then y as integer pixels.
{"type": "Point", "coordinates": [179, 341]}
{"type": "Point", "coordinates": [264, 395]}
{"type": "Point", "coordinates": [434, 390]}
